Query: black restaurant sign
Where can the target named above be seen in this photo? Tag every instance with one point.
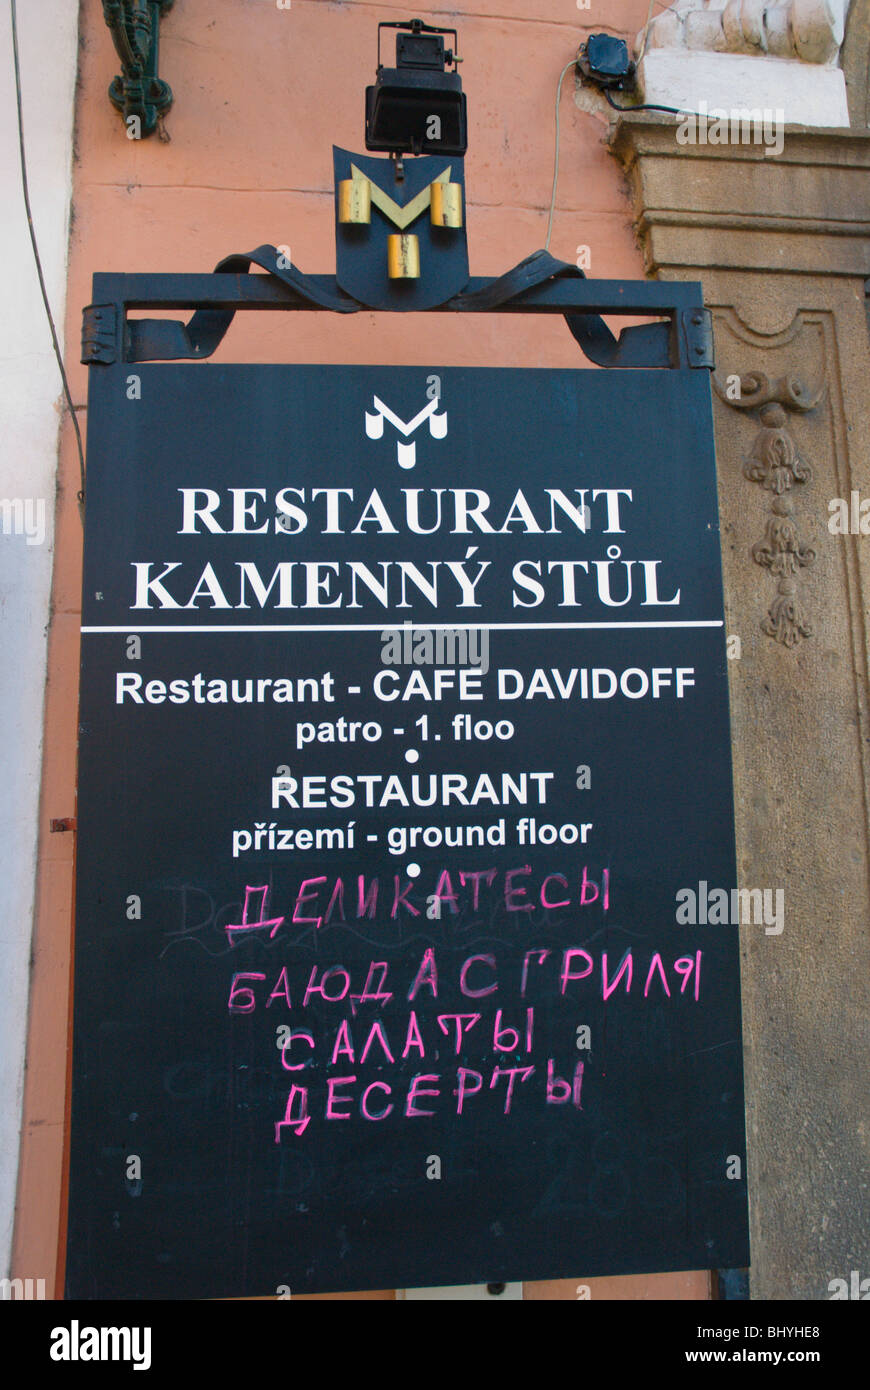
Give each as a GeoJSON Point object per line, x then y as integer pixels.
{"type": "Point", "coordinates": [403, 746]}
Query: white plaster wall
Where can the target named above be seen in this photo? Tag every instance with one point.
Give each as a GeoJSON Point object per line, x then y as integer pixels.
{"type": "Point", "coordinates": [30, 398]}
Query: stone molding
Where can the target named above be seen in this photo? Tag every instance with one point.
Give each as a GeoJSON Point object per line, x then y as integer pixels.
{"type": "Point", "coordinates": [733, 207]}
{"type": "Point", "coordinates": [809, 30]}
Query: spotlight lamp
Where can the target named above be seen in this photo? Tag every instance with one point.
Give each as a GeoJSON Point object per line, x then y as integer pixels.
{"type": "Point", "coordinates": [418, 106]}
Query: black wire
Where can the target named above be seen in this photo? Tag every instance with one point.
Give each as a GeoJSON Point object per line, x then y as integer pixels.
{"type": "Point", "coordinates": [24, 188]}
{"type": "Point", "coordinates": [647, 106]}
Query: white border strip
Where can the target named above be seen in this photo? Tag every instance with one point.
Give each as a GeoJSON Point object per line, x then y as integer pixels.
{"type": "Point", "coordinates": [134, 628]}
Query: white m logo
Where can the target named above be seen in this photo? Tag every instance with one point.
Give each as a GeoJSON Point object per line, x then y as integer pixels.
{"type": "Point", "coordinates": [407, 453]}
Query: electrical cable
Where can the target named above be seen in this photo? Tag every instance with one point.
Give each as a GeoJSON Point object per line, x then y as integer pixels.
{"type": "Point", "coordinates": [556, 156]}
{"type": "Point", "coordinates": [646, 30]}
{"type": "Point", "coordinates": [25, 190]}
{"type": "Point", "coordinates": [645, 106]}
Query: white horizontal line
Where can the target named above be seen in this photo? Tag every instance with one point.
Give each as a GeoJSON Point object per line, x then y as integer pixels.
{"type": "Point", "coordinates": [400, 627]}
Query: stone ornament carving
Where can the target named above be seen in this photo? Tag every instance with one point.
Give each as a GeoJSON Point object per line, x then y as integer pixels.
{"type": "Point", "coordinates": [810, 30]}
{"type": "Point", "coordinates": [776, 463]}
{"type": "Point", "coordinates": [781, 553]}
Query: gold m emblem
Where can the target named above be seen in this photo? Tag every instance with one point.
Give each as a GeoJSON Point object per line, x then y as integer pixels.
{"type": "Point", "coordinates": [443, 199]}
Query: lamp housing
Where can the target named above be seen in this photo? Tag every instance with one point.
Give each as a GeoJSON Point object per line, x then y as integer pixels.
{"type": "Point", "coordinates": [417, 107]}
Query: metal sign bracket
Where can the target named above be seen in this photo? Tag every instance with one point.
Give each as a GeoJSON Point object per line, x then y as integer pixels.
{"type": "Point", "coordinates": [679, 337]}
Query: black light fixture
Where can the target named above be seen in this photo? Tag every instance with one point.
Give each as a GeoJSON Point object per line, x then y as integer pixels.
{"type": "Point", "coordinates": [418, 106]}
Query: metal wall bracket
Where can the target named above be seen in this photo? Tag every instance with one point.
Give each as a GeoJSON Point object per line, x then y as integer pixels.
{"type": "Point", "coordinates": [696, 327]}
{"type": "Point", "coordinates": [137, 92]}
{"type": "Point", "coordinates": [680, 335]}
{"type": "Point", "coordinates": [99, 333]}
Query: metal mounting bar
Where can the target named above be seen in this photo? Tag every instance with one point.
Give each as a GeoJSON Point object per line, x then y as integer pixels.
{"type": "Point", "coordinates": [152, 290]}
{"type": "Point", "coordinates": [683, 339]}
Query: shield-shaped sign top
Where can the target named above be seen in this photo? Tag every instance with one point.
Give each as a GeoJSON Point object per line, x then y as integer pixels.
{"type": "Point", "coordinates": [361, 260]}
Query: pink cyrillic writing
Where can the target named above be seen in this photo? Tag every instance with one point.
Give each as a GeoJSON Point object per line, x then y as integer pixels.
{"type": "Point", "coordinates": [259, 913]}
{"type": "Point", "coordinates": [233, 1004]}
